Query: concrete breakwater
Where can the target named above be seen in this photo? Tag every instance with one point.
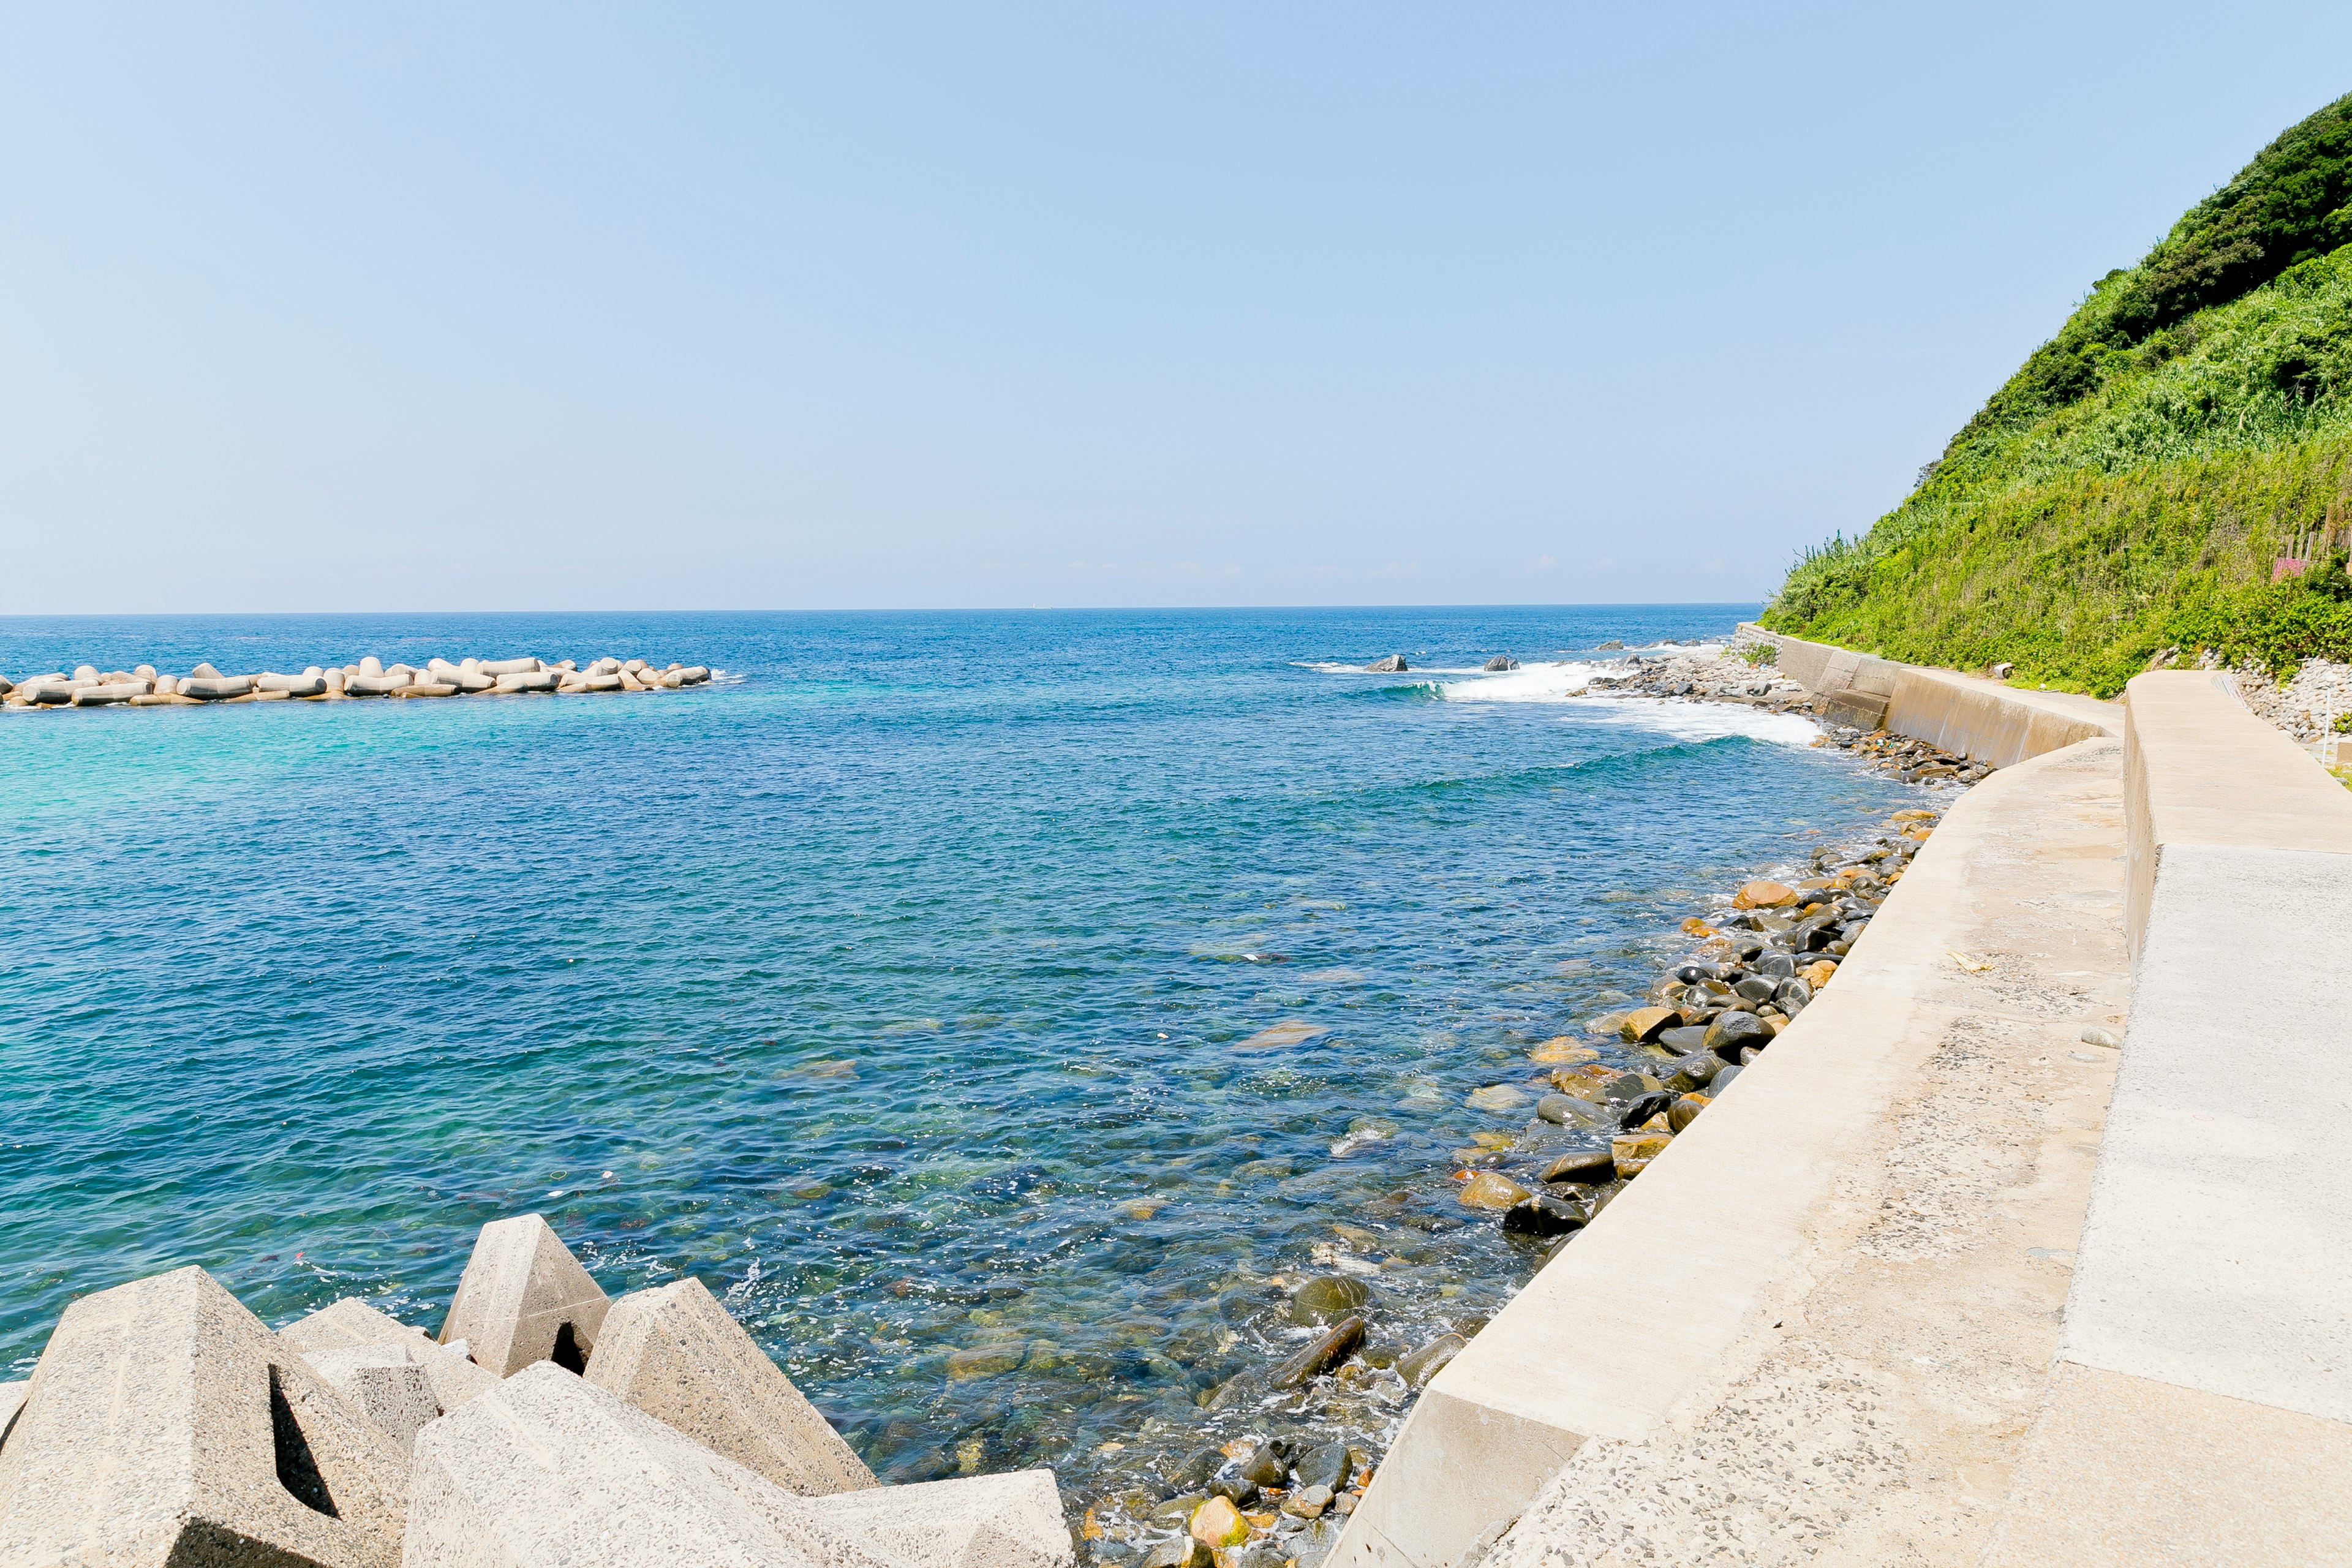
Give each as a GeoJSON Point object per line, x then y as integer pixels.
{"type": "Point", "coordinates": [144, 687]}
{"type": "Point", "coordinates": [546, 1423]}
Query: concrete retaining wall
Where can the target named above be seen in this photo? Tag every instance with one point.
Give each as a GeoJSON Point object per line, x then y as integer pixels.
{"type": "Point", "coordinates": [1971, 717]}
{"type": "Point", "coordinates": [1647, 1303]}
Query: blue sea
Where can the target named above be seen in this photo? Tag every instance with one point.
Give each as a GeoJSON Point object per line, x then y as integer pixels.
{"type": "Point", "coordinates": [902, 984]}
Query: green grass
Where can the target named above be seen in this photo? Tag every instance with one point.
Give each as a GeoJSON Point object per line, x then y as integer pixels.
{"type": "Point", "coordinates": [2128, 488]}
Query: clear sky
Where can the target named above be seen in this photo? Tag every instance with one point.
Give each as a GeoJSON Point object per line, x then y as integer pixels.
{"type": "Point", "coordinates": [482, 307]}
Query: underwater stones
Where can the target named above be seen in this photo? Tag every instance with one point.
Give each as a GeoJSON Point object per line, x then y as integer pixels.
{"type": "Point", "coordinates": [1327, 1299]}
{"type": "Point", "coordinates": [1289, 1032]}
{"type": "Point", "coordinates": [1562, 1050]}
{"type": "Point", "coordinates": [1762, 894]}
{"type": "Point", "coordinates": [524, 1298]}
{"type": "Point", "coordinates": [1392, 665]}
{"type": "Point", "coordinates": [676, 1354]}
{"type": "Point", "coordinates": [1487, 1190]}
{"type": "Point", "coordinates": [549, 1468]}
{"type": "Point", "coordinates": [1319, 1356]}
{"type": "Point", "coordinates": [165, 1423]}
{"type": "Point", "coordinates": [1010, 1520]}
{"type": "Point", "coordinates": [986, 1361]}
{"type": "Point", "coordinates": [1496, 1096]}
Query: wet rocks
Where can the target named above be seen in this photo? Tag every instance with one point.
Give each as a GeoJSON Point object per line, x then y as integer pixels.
{"type": "Point", "coordinates": [1731, 1031]}
{"type": "Point", "coordinates": [1488, 1189]}
{"type": "Point", "coordinates": [1544, 1214]}
{"type": "Point", "coordinates": [1632, 1152]}
{"type": "Point", "coordinates": [1586, 1165]}
{"type": "Point", "coordinates": [1321, 1355]}
{"type": "Point", "coordinates": [1392, 665]}
{"type": "Point", "coordinates": [1501, 661]}
{"type": "Point", "coordinates": [1418, 1366]}
{"type": "Point", "coordinates": [1328, 1300]}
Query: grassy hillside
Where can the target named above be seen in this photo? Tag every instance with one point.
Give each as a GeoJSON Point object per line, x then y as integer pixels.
{"type": "Point", "coordinates": [2128, 488]}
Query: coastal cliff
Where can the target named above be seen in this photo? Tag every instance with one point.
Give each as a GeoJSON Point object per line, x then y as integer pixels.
{"type": "Point", "coordinates": [2127, 496]}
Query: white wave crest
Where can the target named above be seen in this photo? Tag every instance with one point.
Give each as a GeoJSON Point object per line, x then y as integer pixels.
{"type": "Point", "coordinates": [1702, 721]}
{"type": "Point", "coordinates": [1529, 683]}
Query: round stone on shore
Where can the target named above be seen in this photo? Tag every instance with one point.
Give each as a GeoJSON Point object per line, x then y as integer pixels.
{"type": "Point", "coordinates": [1732, 1031]}
{"type": "Point", "coordinates": [1218, 1524]}
{"type": "Point", "coordinates": [1487, 1190]}
{"type": "Point", "coordinates": [1763, 895]}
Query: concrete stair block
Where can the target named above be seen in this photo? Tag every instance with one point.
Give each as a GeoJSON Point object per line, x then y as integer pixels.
{"type": "Point", "coordinates": [676, 1354]}
{"type": "Point", "coordinates": [166, 1425]}
{"type": "Point", "coordinates": [974, 1521]}
{"type": "Point", "coordinates": [547, 1469]}
{"type": "Point", "coordinates": [525, 1299]}
{"type": "Point", "coordinates": [352, 1324]}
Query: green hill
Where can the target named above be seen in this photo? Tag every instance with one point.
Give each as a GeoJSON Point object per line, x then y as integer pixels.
{"type": "Point", "coordinates": [2127, 489]}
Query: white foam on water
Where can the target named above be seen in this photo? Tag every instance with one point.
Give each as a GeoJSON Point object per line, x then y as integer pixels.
{"type": "Point", "coordinates": [1703, 720]}
{"type": "Point", "coordinates": [1325, 667]}
{"type": "Point", "coordinates": [1529, 683]}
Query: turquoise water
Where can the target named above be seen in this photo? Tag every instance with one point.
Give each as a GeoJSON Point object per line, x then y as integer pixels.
{"type": "Point", "coordinates": [896, 985]}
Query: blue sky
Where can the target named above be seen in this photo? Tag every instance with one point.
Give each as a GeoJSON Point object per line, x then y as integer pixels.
{"type": "Point", "coordinates": [318, 307]}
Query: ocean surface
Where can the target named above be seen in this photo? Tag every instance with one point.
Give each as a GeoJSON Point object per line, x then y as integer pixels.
{"type": "Point", "coordinates": [902, 984]}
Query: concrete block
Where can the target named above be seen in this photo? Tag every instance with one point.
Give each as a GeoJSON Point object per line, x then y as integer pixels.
{"type": "Point", "coordinates": [524, 1298]}
{"type": "Point", "coordinates": [495, 667]}
{"type": "Point", "coordinates": [549, 1469]}
{"type": "Point", "coordinates": [165, 1424]}
{"type": "Point", "coordinates": [381, 1383]}
{"type": "Point", "coordinates": [352, 1324]}
{"type": "Point", "coordinates": [11, 1400]}
{"type": "Point", "coordinates": [974, 1521]}
{"type": "Point", "coordinates": [676, 1354]}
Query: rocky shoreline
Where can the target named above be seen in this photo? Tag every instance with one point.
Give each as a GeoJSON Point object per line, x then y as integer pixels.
{"type": "Point", "coordinates": [1598, 1108]}
{"type": "Point", "coordinates": [144, 687]}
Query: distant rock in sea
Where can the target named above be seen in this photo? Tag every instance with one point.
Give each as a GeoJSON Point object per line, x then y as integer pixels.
{"type": "Point", "coordinates": [1392, 665]}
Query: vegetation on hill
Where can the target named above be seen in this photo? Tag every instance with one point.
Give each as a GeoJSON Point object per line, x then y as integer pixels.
{"type": "Point", "coordinates": [2127, 489]}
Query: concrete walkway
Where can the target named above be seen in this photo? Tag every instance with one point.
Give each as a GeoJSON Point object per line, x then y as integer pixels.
{"type": "Point", "coordinates": [1875, 1404]}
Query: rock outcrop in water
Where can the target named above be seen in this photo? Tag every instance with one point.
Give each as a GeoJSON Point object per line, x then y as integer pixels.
{"type": "Point", "coordinates": [1392, 665]}
{"type": "Point", "coordinates": [166, 1423]}
{"type": "Point", "coordinates": [89, 687]}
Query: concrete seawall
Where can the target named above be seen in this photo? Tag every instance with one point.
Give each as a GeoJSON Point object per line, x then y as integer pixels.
{"type": "Point", "coordinates": [1874, 1306]}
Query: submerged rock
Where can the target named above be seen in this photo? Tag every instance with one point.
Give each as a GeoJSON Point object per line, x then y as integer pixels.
{"type": "Point", "coordinates": [1417, 1367]}
{"type": "Point", "coordinates": [1327, 1299]}
{"type": "Point", "coordinates": [1320, 1356]}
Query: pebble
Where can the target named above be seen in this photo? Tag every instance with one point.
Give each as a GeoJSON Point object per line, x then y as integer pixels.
{"type": "Point", "coordinates": [2095, 1036]}
{"type": "Point", "coordinates": [1321, 1355]}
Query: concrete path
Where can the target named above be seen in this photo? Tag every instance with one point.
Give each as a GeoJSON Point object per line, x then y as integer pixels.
{"type": "Point", "coordinates": [1876, 1404]}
